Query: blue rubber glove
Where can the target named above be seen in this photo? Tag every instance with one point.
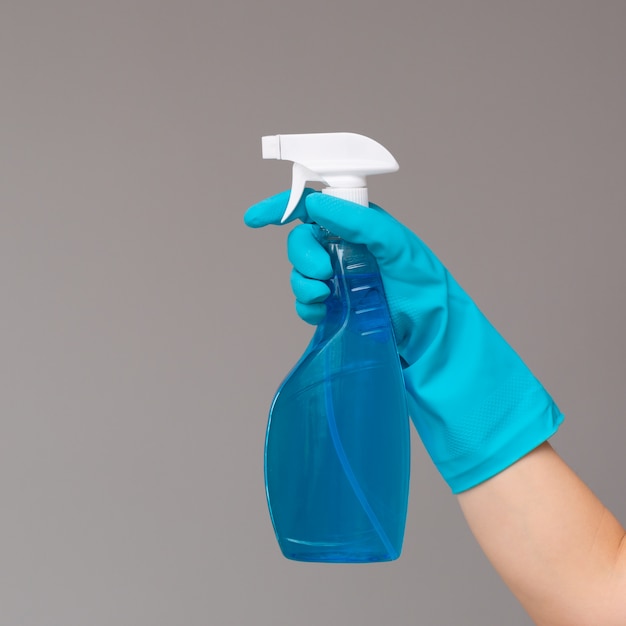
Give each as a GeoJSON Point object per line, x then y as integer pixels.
{"type": "Point", "coordinates": [476, 406]}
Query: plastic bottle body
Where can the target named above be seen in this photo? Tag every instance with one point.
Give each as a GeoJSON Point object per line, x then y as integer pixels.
{"type": "Point", "coordinates": [337, 448]}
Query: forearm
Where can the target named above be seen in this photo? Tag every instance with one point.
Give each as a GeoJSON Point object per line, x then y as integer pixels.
{"type": "Point", "coordinates": [560, 551]}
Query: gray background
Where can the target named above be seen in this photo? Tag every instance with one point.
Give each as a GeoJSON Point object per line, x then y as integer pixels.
{"type": "Point", "coordinates": [144, 328]}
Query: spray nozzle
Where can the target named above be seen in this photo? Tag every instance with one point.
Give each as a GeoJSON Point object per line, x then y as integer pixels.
{"type": "Point", "coordinates": [342, 161]}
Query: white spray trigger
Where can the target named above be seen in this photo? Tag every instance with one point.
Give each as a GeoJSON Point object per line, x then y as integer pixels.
{"type": "Point", "coordinates": [342, 161]}
{"type": "Point", "coordinates": [300, 177]}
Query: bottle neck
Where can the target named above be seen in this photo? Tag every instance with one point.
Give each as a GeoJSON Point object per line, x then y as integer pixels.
{"type": "Point", "coordinates": [357, 297]}
{"type": "Point", "coordinates": [347, 258]}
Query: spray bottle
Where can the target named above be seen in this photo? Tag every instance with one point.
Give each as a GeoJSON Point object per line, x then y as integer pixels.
{"type": "Point", "coordinates": [337, 450]}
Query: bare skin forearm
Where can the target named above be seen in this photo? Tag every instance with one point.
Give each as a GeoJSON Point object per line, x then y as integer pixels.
{"type": "Point", "coordinates": [557, 547]}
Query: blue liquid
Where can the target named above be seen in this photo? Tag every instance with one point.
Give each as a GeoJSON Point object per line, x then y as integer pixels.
{"type": "Point", "coordinates": [337, 447]}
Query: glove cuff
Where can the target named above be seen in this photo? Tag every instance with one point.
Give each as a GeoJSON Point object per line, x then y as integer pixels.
{"type": "Point", "coordinates": [507, 425]}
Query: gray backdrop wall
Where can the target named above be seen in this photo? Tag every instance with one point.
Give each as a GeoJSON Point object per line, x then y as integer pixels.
{"type": "Point", "coordinates": [144, 328]}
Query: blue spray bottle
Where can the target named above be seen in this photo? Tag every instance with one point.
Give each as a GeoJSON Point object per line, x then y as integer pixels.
{"type": "Point", "coordinates": [337, 450]}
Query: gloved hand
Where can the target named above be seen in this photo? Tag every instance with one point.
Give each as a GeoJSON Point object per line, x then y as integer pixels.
{"type": "Point", "coordinates": [476, 406]}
